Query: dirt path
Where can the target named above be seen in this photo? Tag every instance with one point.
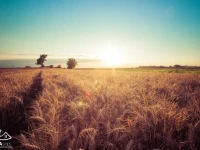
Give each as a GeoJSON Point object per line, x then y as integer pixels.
{"type": "Point", "coordinates": [34, 90]}
{"type": "Point", "coordinates": [14, 117]}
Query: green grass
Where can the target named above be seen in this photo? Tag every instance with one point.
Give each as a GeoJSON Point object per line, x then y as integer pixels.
{"type": "Point", "coordinates": [161, 70]}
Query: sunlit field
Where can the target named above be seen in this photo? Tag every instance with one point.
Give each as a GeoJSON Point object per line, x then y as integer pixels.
{"type": "Point", "coordinates": [60, 109]}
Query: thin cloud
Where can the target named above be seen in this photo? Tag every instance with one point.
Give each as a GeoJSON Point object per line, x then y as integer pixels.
{"type": "Point", "coordinates": [13, 55]}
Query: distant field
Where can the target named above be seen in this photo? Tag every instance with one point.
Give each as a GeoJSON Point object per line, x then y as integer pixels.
{"type": "Point", "coordinates": [162, 70]}
{"type": "Point", "coordinates": [97, 109]}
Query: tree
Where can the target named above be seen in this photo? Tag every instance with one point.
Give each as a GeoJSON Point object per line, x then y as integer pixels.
{"type": "Point", "coordinates": [71, 63]}
{"type": "Point", "coordinates": [59, 66]}
{"type": "Point", "coordinates": [40, 61]}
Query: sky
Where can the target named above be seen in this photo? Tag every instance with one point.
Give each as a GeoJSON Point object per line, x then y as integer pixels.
{"type": "Point", "coordinates": [139, 32]}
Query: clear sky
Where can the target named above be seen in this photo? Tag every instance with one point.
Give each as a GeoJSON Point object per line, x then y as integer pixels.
{"type": "Point", "coordinates": [142, 32]}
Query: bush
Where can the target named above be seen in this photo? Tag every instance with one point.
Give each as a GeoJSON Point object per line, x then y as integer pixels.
{"type": "Point", "coordinates": [50, 66]}
{"type": "Point", "coordinates": [28, 67]}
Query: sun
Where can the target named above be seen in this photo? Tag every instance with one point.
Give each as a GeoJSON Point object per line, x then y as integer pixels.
{"type": "Point", "coordinates": [112, 56]}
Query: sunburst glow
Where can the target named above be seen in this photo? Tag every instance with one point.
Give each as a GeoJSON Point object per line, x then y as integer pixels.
{"type": "Point", "coordinates": [112, 56]}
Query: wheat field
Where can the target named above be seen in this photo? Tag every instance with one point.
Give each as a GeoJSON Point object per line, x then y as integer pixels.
{"type": "Point", "coordinates": [60, 109]}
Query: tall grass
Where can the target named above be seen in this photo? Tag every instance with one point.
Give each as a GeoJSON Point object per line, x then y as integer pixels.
{"type": "Point", "coordinates": [96, 110]}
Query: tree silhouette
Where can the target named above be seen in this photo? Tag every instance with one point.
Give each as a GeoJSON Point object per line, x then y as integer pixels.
{"type": "Point", "coordinates": [71, 63]}
{"type": "Point", "coordinates": [40, 61]}
{"type": "Point", "coordinates": [59, 66]}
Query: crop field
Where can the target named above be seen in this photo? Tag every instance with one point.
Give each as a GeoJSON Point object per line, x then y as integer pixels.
{"type": "Point", "coordinates": [61, 109]}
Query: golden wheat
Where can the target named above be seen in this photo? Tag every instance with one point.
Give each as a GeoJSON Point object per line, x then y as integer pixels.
{"type": "Point", "coordinates": [108, 109]}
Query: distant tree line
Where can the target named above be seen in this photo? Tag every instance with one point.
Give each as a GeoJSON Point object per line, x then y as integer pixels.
{"type": "Point", "coordinates": [71, 62]}
{"type": "Point", "coordinates": [175, 66]}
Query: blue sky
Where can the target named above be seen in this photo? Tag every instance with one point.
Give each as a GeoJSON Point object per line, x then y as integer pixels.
{"type": "Point", "coordinates": [145, 32]}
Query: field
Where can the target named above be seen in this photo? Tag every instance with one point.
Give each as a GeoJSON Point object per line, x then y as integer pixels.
{"type": "Point", "coordinates": [60, 109]}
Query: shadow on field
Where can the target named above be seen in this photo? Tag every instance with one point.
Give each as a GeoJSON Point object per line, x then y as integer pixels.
{"type": "Point", "coordinates": [13, 116]}
{"type": "Point", "coordinates": [34, 91]}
